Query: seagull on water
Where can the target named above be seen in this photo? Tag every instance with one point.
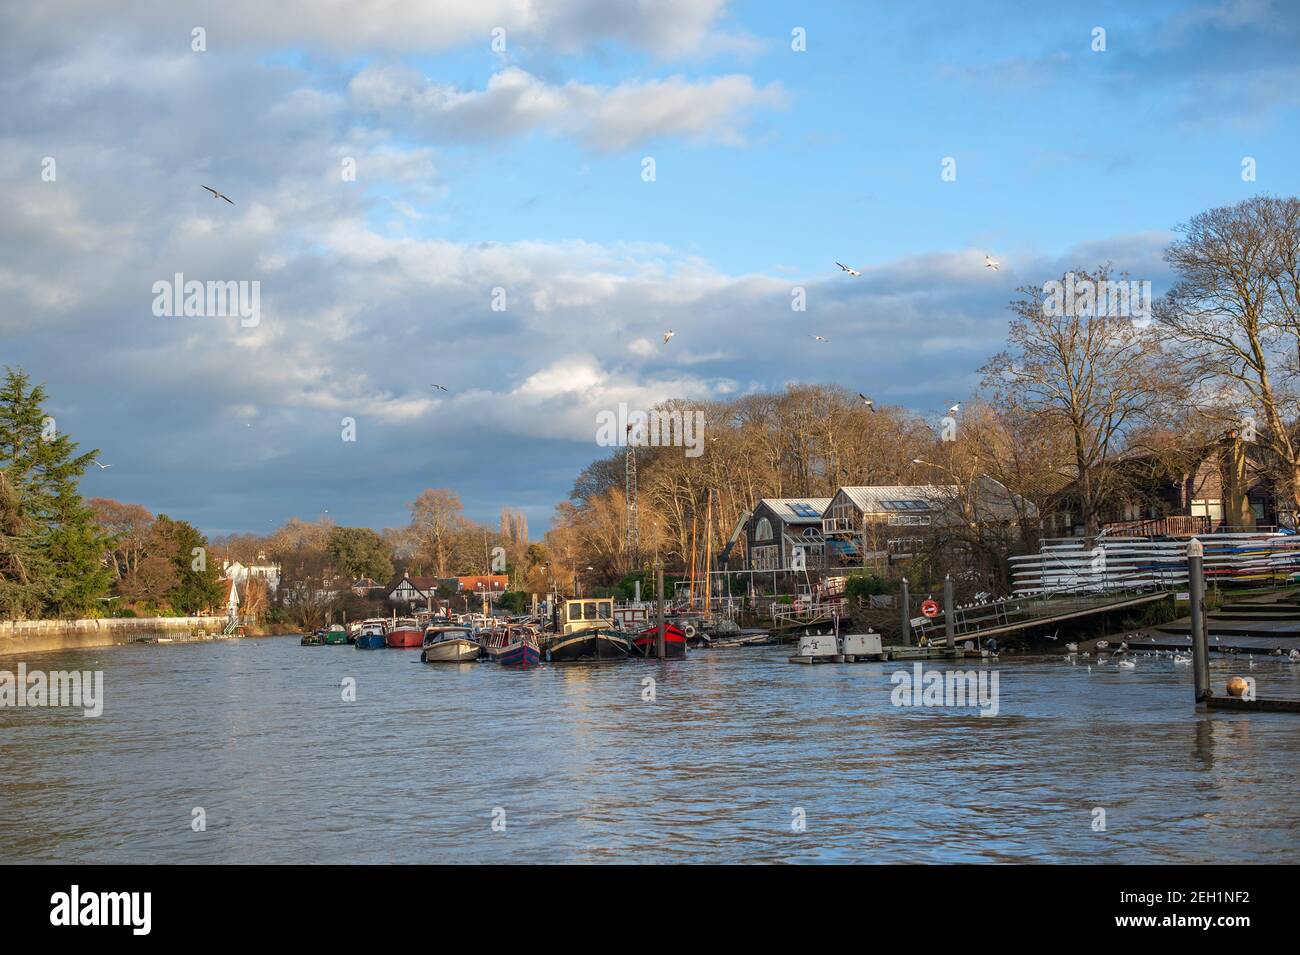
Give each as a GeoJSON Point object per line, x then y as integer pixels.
{"type": "Point", "coordinates": [867, 401]}
{"type": "Point", "coordinates": [1126, 664]}
{"type": "Point", "coordinates": [217, 195]}
{"type": "Point", "coordinates": [991, 263]}
{"type": "Point", "coordinates": [853, 272]}
{"type": "Point", "coordinates": [668, 334]}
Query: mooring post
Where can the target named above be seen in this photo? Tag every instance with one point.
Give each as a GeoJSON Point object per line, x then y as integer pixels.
{"type": "Point", "coordinates": [905, 613]}
{"type": "Point", "coordinates": [1200, 636]}
{"type": "Point", "coordinates": [661, 650]}
{"type": "Point", "coordinates": [949, 624]}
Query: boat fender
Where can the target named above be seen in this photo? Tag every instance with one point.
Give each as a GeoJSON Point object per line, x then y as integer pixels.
{"type": "Point", "coordinates": [689, 631]}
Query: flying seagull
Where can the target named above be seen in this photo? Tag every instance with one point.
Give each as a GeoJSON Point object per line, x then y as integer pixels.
{"type": "Point", "coordinates": [955, 408]}
{"type": "Point", "coordinates": [439, 387]}
{"type": "Point", "coordinates": [853, 272]}
{"type": "Point", "coordinates": [867, 401]}
{"type": "Point", "coordinates": [991, 263]}
{"type": "Point", "coordinates": [668, 334]}
{"type": "Point", "coordinates": [104, 467]}
{"type": "Point", "coordinates": [820, 339]}
{"type": "Point", "coordinates": [217, 195]}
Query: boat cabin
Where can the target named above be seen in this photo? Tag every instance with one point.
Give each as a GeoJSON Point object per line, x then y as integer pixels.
{"type": "Point", "coordinates": [580, 615]}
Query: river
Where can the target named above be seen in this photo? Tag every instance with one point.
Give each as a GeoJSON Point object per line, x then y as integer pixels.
{"type": "Point", "coordinates": [741, 757]}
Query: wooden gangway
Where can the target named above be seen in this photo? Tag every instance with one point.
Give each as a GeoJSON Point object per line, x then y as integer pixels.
{"type": "Point", "coordinates": [1015, 614]}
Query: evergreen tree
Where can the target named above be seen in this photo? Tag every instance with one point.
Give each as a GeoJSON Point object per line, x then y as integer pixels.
{"type": "Point", "coordinates": [51, 548]}
{"type": "Point", "coordinates": [198, 580]}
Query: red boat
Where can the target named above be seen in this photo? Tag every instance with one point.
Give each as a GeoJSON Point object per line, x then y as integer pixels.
{"type": "Point", "coordinates": [643, 644]}
{"type": "Point", "coordinates": [405, 634]}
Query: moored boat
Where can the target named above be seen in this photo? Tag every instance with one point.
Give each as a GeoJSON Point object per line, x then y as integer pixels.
{"type": "Point", "coordinates": [449, 644]}
{"type": "Point", "coordinates": [405, 634]}
{"type": "Point", "coordinates": [371, 635]}
{"type": "Point", "coordinates": [588, 634]}
{"type": "Point", "coordinates": [313, 639]}
{"type": "Point", "coordinates": [645, 643]}
{"type": "Point", "coordinates": [335, 634]}
{"type": "Point", "coordinates": [511, 646]}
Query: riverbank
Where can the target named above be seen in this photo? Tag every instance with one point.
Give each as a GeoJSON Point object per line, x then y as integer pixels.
{"type": "Point", "coordinates": [40, 636]}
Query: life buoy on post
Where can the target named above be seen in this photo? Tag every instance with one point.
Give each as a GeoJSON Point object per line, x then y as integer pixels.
{"type": "Point", "coordinates": [689, 631]}
{"type": "Point", "coordinates": [930, 609]}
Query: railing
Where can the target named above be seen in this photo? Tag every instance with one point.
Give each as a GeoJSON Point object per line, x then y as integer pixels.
{"type": "Point", "coordinates": [1175, 525]}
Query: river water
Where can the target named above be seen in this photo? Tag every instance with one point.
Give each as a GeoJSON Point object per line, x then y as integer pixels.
{"type": "Point", "coordinates": [741, 757]}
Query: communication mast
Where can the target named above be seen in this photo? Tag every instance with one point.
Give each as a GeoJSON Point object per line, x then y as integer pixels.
{"type": "Point", "coordinates": [633, 541]}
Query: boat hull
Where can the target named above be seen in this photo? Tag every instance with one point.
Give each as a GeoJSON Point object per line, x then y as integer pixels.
{"type": "Point", "coordinates": [588, 645]}
{"type": "Point", "coordinates": [644, 644]}
{"type": "Point", "coordinates": [452, 651]}
{"type": "Point", "coordinates": [371, 641]}
{"type": "Point", "coordinates": [336, 637]}
{"type": "Point", "coordinates": [404, 639]}
{"type": "Point", "coordinates": [517, 655]}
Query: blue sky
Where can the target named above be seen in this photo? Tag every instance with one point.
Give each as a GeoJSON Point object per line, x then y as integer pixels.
{"type": "Point", "coordinates": [522, 170]}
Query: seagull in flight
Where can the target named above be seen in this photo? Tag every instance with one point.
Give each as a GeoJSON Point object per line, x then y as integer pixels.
{"type": "Point", "coordinates": [217, 195]}
{"type": "Point", "coordinates": [854, 272]}
{"type": "Point", "coordinates": [820, 339]}
{"type": "Point", "coordinates": [439, 387]}
{"type": "Point", "coordinates": [867, 401]}
{"type": "Point", "coordinates": [991, 263]}
{"type": "Point", "coordinates": [668, 334]}
{"type": "Point", "coordinates": [955, 408]}
{"type": "Point", "coordinates": [103, 467]}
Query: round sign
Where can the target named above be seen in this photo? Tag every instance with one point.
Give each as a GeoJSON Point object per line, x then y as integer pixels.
{"type": "Point", "coordinates": [930, 608]}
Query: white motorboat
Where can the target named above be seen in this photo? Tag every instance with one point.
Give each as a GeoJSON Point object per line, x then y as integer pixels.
{"type": "Point", "coordinates": [449, 644]}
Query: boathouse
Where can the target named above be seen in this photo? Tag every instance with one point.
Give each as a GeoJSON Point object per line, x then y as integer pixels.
{"type": "Point", "coordinates": [780, 527]}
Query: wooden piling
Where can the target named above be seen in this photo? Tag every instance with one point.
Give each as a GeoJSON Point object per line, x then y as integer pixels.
{"type": "Point", "coordinates": [905, 613]}
{"type": "Point", "coordinates": [949, 624]}
{"type": "Point", "coordinates": [1200, 637]}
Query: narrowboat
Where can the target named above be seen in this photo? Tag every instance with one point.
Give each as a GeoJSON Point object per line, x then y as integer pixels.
{"type": "Point", "coordinates": [644, 644]}
{"type": "Point", "coordinates": [405, 634]}
{"type": "Point", "coordinates": [336, 634]}
{"type": "Point", "coordinates": [511, 646]}
{"type": "Point", "coordinates": [587, 633]}
{"type": "Point", "coordinates": [312, 639]}
{"type": "Point", "coordinates": [371, 635]}
{"type": "Point", "coordinates": [449, 644]}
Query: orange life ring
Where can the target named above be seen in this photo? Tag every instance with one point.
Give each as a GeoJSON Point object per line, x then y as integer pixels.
{"type": "Point", "coordinates": [930, 609]}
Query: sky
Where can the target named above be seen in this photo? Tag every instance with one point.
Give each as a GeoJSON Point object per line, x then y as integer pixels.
{"type": "Point", "coordinates": [502, 150]}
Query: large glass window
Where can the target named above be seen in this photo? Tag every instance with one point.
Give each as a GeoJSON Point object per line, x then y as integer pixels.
{"type": "Point", "coordinates": [763, 532]}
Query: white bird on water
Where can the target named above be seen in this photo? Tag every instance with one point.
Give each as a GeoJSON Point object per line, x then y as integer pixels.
{"type": "Point", "coordinates": [853, 272]}
{"type": "Point", "coordinates": [1180, 660]}
{"type": "Point", "coordinates": [1072, 647]}
{"type": "Point", "coordinates": [668, 334]}
{"type": "Point", "coordinates": [991, 263]}
{"type": "Point", "coordinates": [1126, 664]}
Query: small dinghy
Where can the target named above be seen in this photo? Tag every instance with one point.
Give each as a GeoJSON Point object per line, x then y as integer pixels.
{"type": "Point", "coordinates": [645, 643]}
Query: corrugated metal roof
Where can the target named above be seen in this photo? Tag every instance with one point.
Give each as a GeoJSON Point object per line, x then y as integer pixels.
{"type": "Point", "coordinates": [871, 500]}
{"type": "Point", "coordinates": [783, 507]}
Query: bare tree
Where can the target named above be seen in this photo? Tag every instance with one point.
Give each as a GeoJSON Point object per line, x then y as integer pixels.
{"type": "Point", "coordinates": [1093, 374]}
{"type": "Point", "coordinates": [1235, 315]}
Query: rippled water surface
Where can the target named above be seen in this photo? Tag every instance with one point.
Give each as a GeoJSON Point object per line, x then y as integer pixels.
{"type": "Point", "coordinates": [257, 734]}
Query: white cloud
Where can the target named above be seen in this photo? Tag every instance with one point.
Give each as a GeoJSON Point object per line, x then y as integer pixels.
{"type": "Point", "coordinates": [515, 103]}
